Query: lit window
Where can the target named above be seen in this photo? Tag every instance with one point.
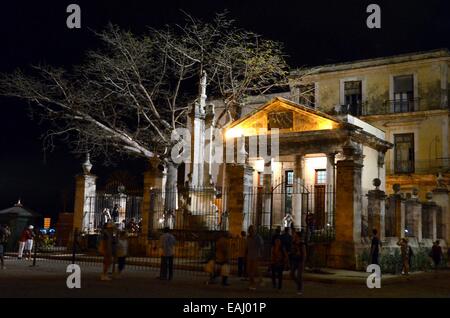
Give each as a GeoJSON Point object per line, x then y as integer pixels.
{"type": "Point", "coordinates": [321, 176]}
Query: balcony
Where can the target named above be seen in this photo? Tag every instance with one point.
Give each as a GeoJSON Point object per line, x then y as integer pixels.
{"type": "Point", "coordinates": [395, 106]}
{"type": "Point", "coordinates": [427, 166]}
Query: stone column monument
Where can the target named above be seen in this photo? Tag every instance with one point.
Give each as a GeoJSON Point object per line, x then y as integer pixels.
{"type": "Point", "coordinates": [84, 207]}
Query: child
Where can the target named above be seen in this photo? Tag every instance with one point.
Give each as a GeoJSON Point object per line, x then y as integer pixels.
{"type": "Point", "coordinates": [122, 250]}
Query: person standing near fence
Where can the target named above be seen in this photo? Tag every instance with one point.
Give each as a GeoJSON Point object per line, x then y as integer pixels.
{"type": "Point", "coordinates": [436, 254]}
{"type": "Point", "coordinates": [166, 243]}
{"type": "Point", "coordinates": [115, 213]}
{"type": "Point", "coordinates": [223, 257]}
{"type": "Point", "coordinates": [253, 253]}
{"type": "Point", "coordinates": [375, 248]}
{"type": "Point", "coordinates": [121, 251]}
{"type": "Point", "coordinates": [298, 257]}
{"type": "Point", "coordinates": [242, 268]}
{"type": "Point", "coordinates": [279, 260]}
{"type": "Point", "coordinates": [405, 252]}
{"type": "Point", "coordinates": [106, 249]}
{"type": "Point", "coordinates": [26, 235]}
{"type": "Point", "coordinates": [4, 237]}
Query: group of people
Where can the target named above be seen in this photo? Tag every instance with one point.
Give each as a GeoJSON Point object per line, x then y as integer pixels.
{"type": "Point", "coordinates": [107, 216]}
{"type": "Point", "coordinates": [406, 253]}
{"type": "Point", "coordinates": [288, 253]}
{"type": "Point", "coordinates": [113, 246]}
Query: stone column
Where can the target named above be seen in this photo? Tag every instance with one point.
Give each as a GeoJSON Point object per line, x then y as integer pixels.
{"type": "Point", "coordinates": [84, 207]}
{"type": "Point", "coordinates": [235, 197]}
{"type": "Point", "coordinates": [348, 209]}
{"type": "Point", "coordinates": [331, 187]}
{"type": "Point", "coordinates": [441, 197]}
{"type": "Point", "coordinates": [376, 209]}
{"type": "Point", "coordinates": [267, 203]}
{"type": "Point", "coordinates": [413, 210]}
{"type": "Point", "coordinates": [429, 218]}
{"type": "Point", "coordinates": [153, 180]}
{"type": "Point", "coordinates": [298, 190]}
{"type": "Point", "coordinates": [395, 214]}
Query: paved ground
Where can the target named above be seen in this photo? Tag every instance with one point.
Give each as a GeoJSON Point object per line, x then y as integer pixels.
{"type": "Point", "coordinates": [48, 279]}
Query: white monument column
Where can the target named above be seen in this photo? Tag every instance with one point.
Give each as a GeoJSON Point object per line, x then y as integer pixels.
{"type": "Point", "coordinates": [85, 195]}
{"type": "Point", "coordinates": [298, 189]}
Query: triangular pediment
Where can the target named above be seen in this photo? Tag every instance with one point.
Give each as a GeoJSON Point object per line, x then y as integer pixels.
{"type": "Point", "coordinates": [285, 115]}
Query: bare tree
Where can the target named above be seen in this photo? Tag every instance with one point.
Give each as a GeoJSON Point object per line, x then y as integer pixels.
{"type": "Point", "coordinates": [128, 96]}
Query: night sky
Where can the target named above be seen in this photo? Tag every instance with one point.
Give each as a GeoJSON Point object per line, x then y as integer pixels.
{"type": "Point", "coordinates": [313, 32]}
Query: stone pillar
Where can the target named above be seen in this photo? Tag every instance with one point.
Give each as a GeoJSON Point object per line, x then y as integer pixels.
{"type": "Point", "coordinates": [395, 214]}
{"type": "Point", "coordinates": [267, 203]}
{"type": "Point", "coordinates": [441, 197]}
{"type": "Point", "coordinates": [84, 207]}
{"type": "Point", "coordinates": [331, 192]}
{"type": "Point", "coordinates": [235, 197]}
{"type": "Point", "coordinates": [298, 190]}
{"type": "Point", "coordinates": [153, 179]}
{"type": "Point", "coordinates": [376, 209]}
{"type": "Point", "coordinates": [429, 218]}
{"type": "Point", "coordinates": [413, 212]}
{"type": "Point", "coordinates": [348, 209]}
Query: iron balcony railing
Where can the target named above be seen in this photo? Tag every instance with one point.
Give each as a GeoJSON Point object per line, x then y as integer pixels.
{"type": "Point", "coordinates": [394, 106]}
{"type": "Point", "coordinates": [427, 166]}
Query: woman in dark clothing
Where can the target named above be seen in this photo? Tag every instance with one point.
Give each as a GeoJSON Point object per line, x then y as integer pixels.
{"type": "Point", "coordinates": [436, 254]}
{"type": "Point", "coordinates": [279, 260]}
{"type": "Point", "coordinates": [298, 257]}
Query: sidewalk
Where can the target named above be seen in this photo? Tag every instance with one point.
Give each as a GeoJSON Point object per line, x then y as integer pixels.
{"type": "Point", "coordinates": [326, 275]}
{"type": "Point", "coordinates": [48, 279]}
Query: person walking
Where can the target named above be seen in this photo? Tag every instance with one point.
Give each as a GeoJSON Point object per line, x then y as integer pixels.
{"type": "Point", "coordinates": [23, 240]}
{"type": "Point", "coordinates": [106, 249]}
{"type": "Point", "coordinates": [29, 243]}
{"type": "Point", "coordinates": [279, 260]}
{"type": "Point", "coordinates": [253, 253]}
{"type": "Point", "coordinates": [286, 242]}
{"type": "Point", "coordinates": [4, 237]}
{"type": "Point", "coordinates": [223, 258]}
{"type": "Point", "coordinates": [121, 251]}
{"type": "Point", "coordinates": [276, 235]}
{"type": "Point", "coordinates": [375, 248]}
{"type": "Point", "coordinates": [242, 268]}
{"type": "Point", "coordinates": [298, 256]}
{"type": "Point", "coordinates": [166, 242]}
{"type": "Point", "coordinates": [436, 254]}
{"type": "Point", "coordinates": [404, 249]}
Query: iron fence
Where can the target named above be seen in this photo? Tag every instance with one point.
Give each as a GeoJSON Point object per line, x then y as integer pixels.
{"type": "Point", "coordinates": [124, 210]}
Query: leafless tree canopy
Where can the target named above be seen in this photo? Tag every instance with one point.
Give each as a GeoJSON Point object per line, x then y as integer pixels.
{"type": "Point", "coordinates": [129, 95]}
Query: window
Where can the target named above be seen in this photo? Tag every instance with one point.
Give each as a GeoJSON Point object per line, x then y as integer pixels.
{"type": "Point", "coordinates": [404, 153]}
{"type": "Point", "coordinates": [307, 95]}
{"type": "Point", "coordinates": [289, 182]}
{"type": "Point", "coordinates": [403, 94]}
{"type": "Point", "coordinates": [280, 120]}
{"type": "Point", "coordinates": [260, 179]}
{"type": "Point", "coordinates": [353, 97]}
{"type": "Point", "coordinates": [321, 176]}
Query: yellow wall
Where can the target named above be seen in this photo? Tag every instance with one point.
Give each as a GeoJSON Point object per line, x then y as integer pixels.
{"type": "Point", "coordinates": [377, 84]}
{"type": "Point", "coordinates": [430, 125]}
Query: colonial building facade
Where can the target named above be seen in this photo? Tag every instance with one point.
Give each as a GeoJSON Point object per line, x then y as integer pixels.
{"type": "Point", "coordinates": [358, 146]}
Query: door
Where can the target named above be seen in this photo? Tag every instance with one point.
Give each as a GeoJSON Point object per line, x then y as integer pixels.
{"type": "Point", "coordinates": [319, 198]}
